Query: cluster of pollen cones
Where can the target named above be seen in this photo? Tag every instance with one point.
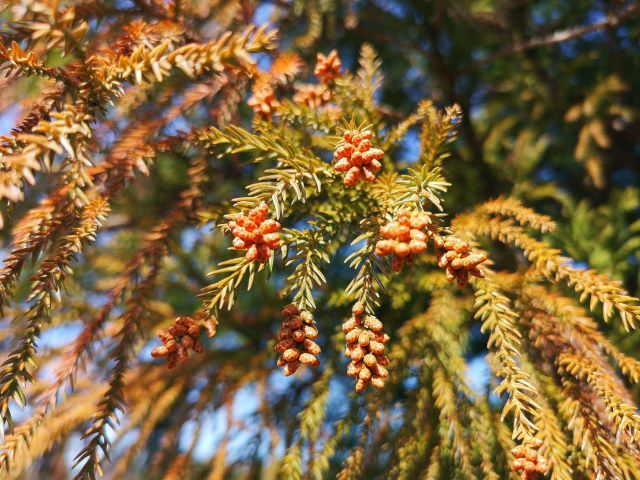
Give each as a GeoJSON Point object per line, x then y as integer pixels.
{"type": "Point", "coordinates": [404, 238]}
{"type": "Point", "coordinates": [177, 340]}
{"type": "Point", "coordinates": [328, 67]}
{"type": "Point", "coordinates": [296, 344]}
{"type": "Point", "coordinates": [456, 258]}
{"type": "Point", "coordinates": [355, 156]}
{"type": "Point", "coordinates": [528, 461]}
{"type": "Point", "coordinates": [255, 233]}
{"type": "Point", "coordinates": [408, 236]}
{"type": "Point", "coordinates": [365, 347]}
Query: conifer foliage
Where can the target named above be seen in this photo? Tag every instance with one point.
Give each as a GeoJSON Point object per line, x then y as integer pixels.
{"type": "Point", "coordinates": [183, 195]}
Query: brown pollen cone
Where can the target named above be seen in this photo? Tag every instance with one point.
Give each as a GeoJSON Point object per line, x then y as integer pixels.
{"type": "Point", "coordinates": [404, 238]}
{"type": "Point", "coordinates": [313, 96]}
{"type": "Point", "coordinates": [178, 339]}
{"type": "Point", "coordinates": [328, 67]}
{"type": "Point", "coordinates": [255, 233]}
{"type": "Point", "coordinates": [356, 158]}
{"type": "Point", "coordinates": [459, 262]}
{"type": "Point", "coordinates": [263, 101]}
{"type": "Point", "coordinates": [528, 461]}
{"type": "Point", "coordinates": [365, 347]}
{"type": "Point", "coordinates": [296, 344]}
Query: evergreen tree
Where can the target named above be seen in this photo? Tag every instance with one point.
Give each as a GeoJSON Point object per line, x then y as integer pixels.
{"type": "Point", "coordinates": [323, 239]}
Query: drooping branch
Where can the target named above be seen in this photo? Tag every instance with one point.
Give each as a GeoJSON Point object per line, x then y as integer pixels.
{"type": "Point", "coordinates": [611, 20]}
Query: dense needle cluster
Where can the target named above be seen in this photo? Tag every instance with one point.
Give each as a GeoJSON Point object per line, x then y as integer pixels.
{"type": "Point", "coordinates": [296, 344]}
{"type": "Point", "coordinates": [255, 233]}
{"type": "Point", "coordinates": [355, 156]}
{"type": "Point", "coordinates": [453, 255]}
{"type": "Point", "coordinates": [528, 461]}
{"type": "Point", "coordinates": [404, 238]}
{"type": "Point", "coordinates": [365, 347]}
{"type": "Point", "coordinates": [178, 339]}
{"type": "Point", "coordinates": [328, 67]}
